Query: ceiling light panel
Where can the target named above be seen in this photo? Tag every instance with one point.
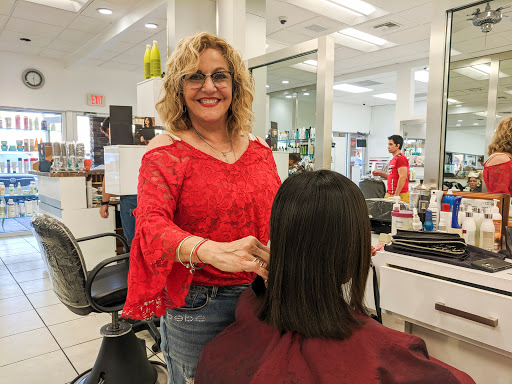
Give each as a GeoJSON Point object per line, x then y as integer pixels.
{"type": "Point", "coordinates": [357, 7]}
{"type": "Point", "coordinates": [421, 76]}
{"type": "Point", "coordinates": [351, 88]}
{"type": "Point", "coordinates": [387, 96]}
{"type": "Point", "coordinates": [366, 37]}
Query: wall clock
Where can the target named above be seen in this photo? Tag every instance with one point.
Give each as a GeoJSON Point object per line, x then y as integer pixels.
{"type": "Point", "coordinates": [32, 78]}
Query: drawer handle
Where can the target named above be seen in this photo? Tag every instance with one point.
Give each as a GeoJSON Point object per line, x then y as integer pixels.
{"type": "Point", "coordinates": [490, 321]}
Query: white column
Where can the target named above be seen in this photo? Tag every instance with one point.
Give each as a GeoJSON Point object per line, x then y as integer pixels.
{"type": "Point", "coordinates": [231, 22]}
{"type": "Point", "coordinates": [187, 17]}
{"type": "Point", "coordinates": [404, 96]}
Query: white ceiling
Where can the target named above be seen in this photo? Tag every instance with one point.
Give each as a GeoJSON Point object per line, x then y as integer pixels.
{"type": "Point", "coordinates": [118, 41]}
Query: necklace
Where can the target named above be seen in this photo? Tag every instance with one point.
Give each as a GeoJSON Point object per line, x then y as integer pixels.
{"type": "Point", "coordinates": [225, 154]}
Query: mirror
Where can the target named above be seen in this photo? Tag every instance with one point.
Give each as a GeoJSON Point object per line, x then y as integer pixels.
{"type": "Point", "coordinates": [479, 76]}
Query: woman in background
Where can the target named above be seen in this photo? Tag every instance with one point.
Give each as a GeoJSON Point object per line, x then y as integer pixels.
{"type": "Point", "coordinates": [310, 325]}
{"type": "Point", "coordinates": [498, 167]}
{"type": "Point", "coordinates": [474, 182]}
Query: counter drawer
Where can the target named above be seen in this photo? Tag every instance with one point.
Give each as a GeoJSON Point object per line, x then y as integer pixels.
{"type": "Point", "coordinates": [415, 296]}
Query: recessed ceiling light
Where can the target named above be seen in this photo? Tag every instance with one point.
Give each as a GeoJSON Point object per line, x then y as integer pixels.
{"type": "Point", "coordinates": [288, 96]}
{"type": "Point", "coordinates": [357, 7]}
{"type": "Point", "coordinates": [475, 123]}
{"type": "Point", "coordinates": [306, 94]}
{"type": "Point", "coordinates": [458, 105]}
{"type": "Point", "coordinates": [421, 76]}
{"type": "Point", "coordinates": [457, 125]}
{"type": "Point", "coordinates": [366, 37]}
{"type": "Point", "coordinates": [453, 100]}
{"type": "Point", "coordinates": [25, 39]}
{"type": "Point", "coordinates": [351, 88]}
{"type": "Point", "coordinates": [387, 96]}
{"type": "Point", "coordinates": [311, 62]}
{"type": "Point", "coordinates": [151, 25]}
{"type": "Point", "coordinates": [104, 11]}
{"type": "Point", "coordinates": [459, 121]}
{"type": "Point", "coordinates": [285, 82]}
{"type": "Point", "coordinates": [268, 86]}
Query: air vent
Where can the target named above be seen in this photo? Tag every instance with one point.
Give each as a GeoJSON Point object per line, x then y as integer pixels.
{"type": "Point", "coordinates": [476, 89]}
{"type": "Point", "coordinates": [386, 26]}
{"type": "Point", "coordinates": [316, 28]}
{"type": "Point", "coordinates": [366, 83]}
{"type": "Point", "coordinates": [502, 98]}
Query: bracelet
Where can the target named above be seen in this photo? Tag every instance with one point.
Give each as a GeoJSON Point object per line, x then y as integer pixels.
{"type": "Point", "coordinates": [105, 202]}
{"type": "Point", "coordinates": [193, 267]}
{"type": "Point", "coordinates": [178, 251]}
{"type": "Point", "coordinates": [197, 249]}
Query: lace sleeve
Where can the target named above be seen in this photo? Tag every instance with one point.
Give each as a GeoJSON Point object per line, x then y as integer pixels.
{"type": "Point", "coordinates": [498, 178]}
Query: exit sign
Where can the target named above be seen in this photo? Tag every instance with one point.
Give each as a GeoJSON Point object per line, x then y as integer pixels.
{"type": "Point", "coordinates": [97, 100]}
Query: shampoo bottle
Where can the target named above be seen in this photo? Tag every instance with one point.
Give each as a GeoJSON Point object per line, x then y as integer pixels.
{"type": "Point", "coordinates": [497, 220]}
{"type": "Point", "coordinates": [455, 227]}
{"type": "Point", "coordinates": [416, 222]}
{"type": "Point", "coordinates": [444, 218]}
{"type": "Point", "coordinates": [487, 233]}
{"type": "Point", "coordinates": [469, 229]}
{"type": "Point", "coordinates": [434, 211]}
{"type": "Point", "coordinates": [147, 62]}
{"type": "Point", "coordinates": [477, 217]}
{"type": "Point", "coordinates": [155, 61]}
{"type": "Point", "coordinates": [428, 224]}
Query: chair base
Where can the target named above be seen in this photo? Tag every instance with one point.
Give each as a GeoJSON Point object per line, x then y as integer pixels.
{"type": "Point", "coordinates": [121, 360]}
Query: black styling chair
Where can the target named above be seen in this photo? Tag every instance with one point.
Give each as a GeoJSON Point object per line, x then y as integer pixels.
{"type": "Point", "coordinates": [122, 358]}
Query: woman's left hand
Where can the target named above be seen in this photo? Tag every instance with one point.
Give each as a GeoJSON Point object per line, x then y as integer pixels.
{"type": "Point", "coordinates": [244, 255]}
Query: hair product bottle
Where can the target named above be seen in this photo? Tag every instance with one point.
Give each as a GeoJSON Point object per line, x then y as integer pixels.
{"type": "Point", "coordinates": [147, 62]}
{"type": "Point", "coordinates": [469, 229]}
{"type": "Point", "coordinates": [487, 233]}
{"type": "Point", "coordinates": [497, 220]}
{"type": "Point", "coordinates": [155, 61]}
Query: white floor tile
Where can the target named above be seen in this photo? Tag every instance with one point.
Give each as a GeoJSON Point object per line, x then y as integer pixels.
{"type": "Point", "coordinates": [36, 286]}
{"type": "Point", "coordinates": [83, 356]}
{"type": "Point", "coordinates": [3, 269]}
{"type": "Point", "coordinates": [10, 290]}
{"type": "Point", "coordinates": [26, 266]}
{"type": "Point", "coordinates": [11, 240]}
{"type": "Point", "coordinates": [6, 248]}
{"type": "Point", "coordinates": [7, 260]}
{"type": "Point", "coordinates": [52, 367]}
{"type": "Point", "coordinates": [26, 249]}
{"type": "Point", "coordinates": [14, 305]}
{"type": "Point", "coordinates": [34, 274]}
{"type": "Point", "coordinates": [57, 313]}
{"type": "Point", "coordinates": [7, 280]}
{"type": "Point", "coordinates": [43, 299]}
{"type": "Point", "coordinates": [78, 331]}
{"type": "Point", "coordinates": [26, 345]}
{"type": "Point", "coordinates": [19, 322]}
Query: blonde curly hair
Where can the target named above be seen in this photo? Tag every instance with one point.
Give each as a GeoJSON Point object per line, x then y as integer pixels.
{"type": "Point", "coordinates": [502, 140]}
{"type": "Point", "coordinates": [184, 61]}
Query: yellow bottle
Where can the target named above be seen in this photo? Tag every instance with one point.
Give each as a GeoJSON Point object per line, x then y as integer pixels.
{"type": "Point", "coordinates": [147, 62]}
{"type": "Point", "coordinates": [155, 61]}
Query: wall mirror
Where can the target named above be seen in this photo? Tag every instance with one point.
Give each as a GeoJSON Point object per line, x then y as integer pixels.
{"type": "Point", "coordinates": [479, 86]}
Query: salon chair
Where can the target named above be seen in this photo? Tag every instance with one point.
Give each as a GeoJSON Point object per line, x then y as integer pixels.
{"type": "Point", "coordinates": [122, 358]}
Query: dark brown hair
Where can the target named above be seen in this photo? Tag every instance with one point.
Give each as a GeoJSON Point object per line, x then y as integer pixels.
{"type": "Point", "coordinates": [319, 256]}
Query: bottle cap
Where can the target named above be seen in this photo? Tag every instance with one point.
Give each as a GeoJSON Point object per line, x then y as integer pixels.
{"type": "Point", "coordinates": [469, 214]}
{"type": "Point", "coordinates": [154, 42]}
{"type": "Point", "coordinates": [396, 207]}
{"type": "Point", "coordinates": [148, 45]}
{"type": "Point", "coordinates": [446, 207]}
{"type": "Point", "coordinates": [495, 208]}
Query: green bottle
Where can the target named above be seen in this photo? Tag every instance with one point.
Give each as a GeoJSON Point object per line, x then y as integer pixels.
{"type": "Point", "coordinates": [147, 62]}
{"type": "Point", "coordinates": [155, 61]}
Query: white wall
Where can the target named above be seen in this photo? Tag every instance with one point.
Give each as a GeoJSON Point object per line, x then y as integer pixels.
{"type": "Point", "coordinates": [382, 126]}
{"type": "Point", "coordinates": [465, 142]}
{"type": "Point", "coordinates": [64, 89]}
{"type": "Point", "coordinates": [351, 118]}
{"type": "Point", "coordinates": [281, 111]}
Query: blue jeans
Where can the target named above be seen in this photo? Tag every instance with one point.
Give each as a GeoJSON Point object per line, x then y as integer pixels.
{"type": "Point", "coordinates": [128, 204]}
{"type": "Point", "coordinates": [186, 330]}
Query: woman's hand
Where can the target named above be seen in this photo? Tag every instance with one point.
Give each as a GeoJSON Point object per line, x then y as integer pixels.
{"type": "Point", "coordinates": [244, 255]}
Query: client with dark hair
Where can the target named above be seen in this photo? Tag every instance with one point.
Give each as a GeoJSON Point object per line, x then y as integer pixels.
{"type": "Point", "coordinates": [310, 324]}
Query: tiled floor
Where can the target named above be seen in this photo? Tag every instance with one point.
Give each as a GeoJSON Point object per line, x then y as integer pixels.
{"type": "Point", "coordinates": [41, 341]}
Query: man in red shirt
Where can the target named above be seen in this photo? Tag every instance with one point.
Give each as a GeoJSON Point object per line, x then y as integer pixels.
{"type": "Point", "coordinates": [398, 176]}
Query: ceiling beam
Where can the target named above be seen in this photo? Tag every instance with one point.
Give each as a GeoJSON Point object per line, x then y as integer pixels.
{"type": "Point", "coordinates": [110, 34]}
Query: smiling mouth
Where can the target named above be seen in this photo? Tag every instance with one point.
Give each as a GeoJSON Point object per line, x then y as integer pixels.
{"type": "Point", "coordinates": [209, 101]}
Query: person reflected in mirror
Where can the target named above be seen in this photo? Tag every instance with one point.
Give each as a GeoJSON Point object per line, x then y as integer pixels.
{"type": "Point", "coordinates": [474, 182]}
{"type": "Point", "coordinates": [498, 167]}
{"type": "Point", "coordinates": [294, 164]}
{"type": "Point", "coordinates": [398, 176]}
{"type": "Point", "coordinates": [308, 323]}
{"type": "Point", "coordinates": [206, 188]}
{"type": "Point", "coordinates": [148, 122]}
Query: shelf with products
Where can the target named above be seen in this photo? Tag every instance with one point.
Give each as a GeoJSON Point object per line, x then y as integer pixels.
{"type": "Point", "coordinates": [28, 130]}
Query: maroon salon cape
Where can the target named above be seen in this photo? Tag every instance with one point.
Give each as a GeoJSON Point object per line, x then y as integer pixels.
{"type": "Point", "coordinates": [250, 351]}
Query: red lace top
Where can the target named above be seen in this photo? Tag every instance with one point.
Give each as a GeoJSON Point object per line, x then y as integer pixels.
{"type": "Point", "coordinates": [183, 191]}
{"type": "Point", "coordinates": [498, 178]}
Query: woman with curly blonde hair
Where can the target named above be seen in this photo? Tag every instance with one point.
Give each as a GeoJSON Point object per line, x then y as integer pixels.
{"type": "Point", "coordinates": [204, 198]}
{"type": "Point", "coordinates": [498, 167]}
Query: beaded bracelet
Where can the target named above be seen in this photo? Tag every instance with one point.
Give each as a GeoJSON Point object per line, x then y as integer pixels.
{"type": "Point", "coordinates": [193, 267]}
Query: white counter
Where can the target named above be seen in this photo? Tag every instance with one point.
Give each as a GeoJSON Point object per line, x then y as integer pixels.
{"type": "Point", "coordinates": [415, 295]}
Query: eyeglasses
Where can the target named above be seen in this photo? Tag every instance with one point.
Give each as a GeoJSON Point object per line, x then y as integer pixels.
{"type": "Point", "coordinates": [222, 79]}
